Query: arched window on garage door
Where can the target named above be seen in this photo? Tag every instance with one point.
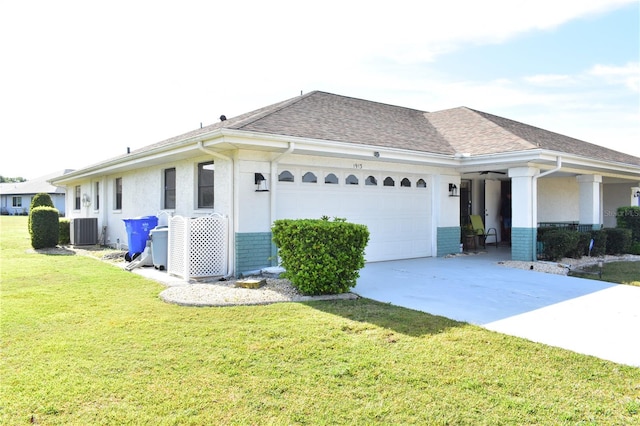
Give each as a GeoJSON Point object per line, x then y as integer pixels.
{"type": "Point", "coordinates": [351, 180]}
{"type": "Point", "coordinates": [285, 176]}
{"type": "Point", "coordinates": [371, 181]}
{"type": "Point", "coordinates": [388, 181]}
{"type": "Point", "coordinates": [421, 183]}
{"type": "Point", "coordinates": [309, 178]}
{"type": "Point", "coordinates": [331, 178]}
{"type": "Point", "coordinates": [405, 183]}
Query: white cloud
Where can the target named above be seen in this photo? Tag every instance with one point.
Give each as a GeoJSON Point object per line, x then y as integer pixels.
{"type": "Point", "coordinates": [629, 75]}
{"type": "Point", "coordinates": [550, 80]}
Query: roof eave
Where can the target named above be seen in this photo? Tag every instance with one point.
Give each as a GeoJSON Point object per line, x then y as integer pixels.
{"type": "Point", "coordinates": [546, 159]}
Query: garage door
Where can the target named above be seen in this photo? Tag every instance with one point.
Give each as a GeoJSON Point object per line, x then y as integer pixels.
{"type": "Point", "coordinates": [395, 208]}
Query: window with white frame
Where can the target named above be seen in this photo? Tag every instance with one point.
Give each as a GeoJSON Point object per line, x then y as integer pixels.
{"type": "Point", "coordinates": [170, 188]}
{"type": "Point", "coordinates": [118, 194]}
{"type": "Point", "coordinates": [206, 179]}
{"type": "Point", "coordinates": [96, 195]}
{"type": "Point", "coordinates": [77, 198]}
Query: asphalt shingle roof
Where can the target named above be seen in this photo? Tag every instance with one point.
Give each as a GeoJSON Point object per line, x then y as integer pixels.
{"type": "Point", "coordinates": [325, 116]}
{"type": "Point", "coordinates": [34, 186]}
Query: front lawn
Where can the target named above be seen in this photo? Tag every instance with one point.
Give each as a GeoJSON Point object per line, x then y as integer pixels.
{"type": "Point", "coordinates": [84, 342]}
{"type": "Point", "coordinates": [614, 272]}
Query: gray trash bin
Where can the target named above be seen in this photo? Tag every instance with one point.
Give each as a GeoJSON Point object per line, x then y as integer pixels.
{"type": "Point", "coordinates": [159, 246]}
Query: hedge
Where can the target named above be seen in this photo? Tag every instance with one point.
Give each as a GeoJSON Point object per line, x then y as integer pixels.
{"type": "Point", "coordinates": [64, 232]}
{"type": "Point", "coordinates": [43, 227]}
{"type": "Point", "coordinates": [41, 199]}
{"type": "Point", "coordinates": [320, 256]}
{"type": "Point", "coordinates": [629, 218]}
{"type": "Point", "coordinates": [618, 240]}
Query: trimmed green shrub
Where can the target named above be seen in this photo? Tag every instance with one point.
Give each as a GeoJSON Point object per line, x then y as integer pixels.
{"type": "Point", "coordinates": [320, 256]}
{"type": "Point", "coordinates": [582, 246]}
{"type": "Point", "coordinates": [559, 243]}
{"type": "Point", "coordinates": [41, 199]}
{"type": "Point", "coordinates": [618, 240]}
{"type": "Point", "coordinates": [44, 227]}
{"type": "Point", "coordinates": [629, 218]}
{"type": "Point", "coordinates": [635, 248]}
{"type": "Point", "coordinates": [64, 231]}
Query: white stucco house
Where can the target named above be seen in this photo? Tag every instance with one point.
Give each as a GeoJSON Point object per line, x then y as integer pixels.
{"type": "Point", "coordinates": [413, 177]}
{"type": "Point", "coordinates": [15, 197]}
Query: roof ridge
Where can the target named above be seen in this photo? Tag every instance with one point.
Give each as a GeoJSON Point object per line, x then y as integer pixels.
{"type": "Point", "coordinates": [466, 130]}
{"type": "Point", "coordinates": [255, 115]}
{"type": "Point", "coordinates": [493, 123]}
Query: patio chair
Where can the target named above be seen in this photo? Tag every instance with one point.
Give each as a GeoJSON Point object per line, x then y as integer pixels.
{"type": "Point", "coordinates": [478, 228]}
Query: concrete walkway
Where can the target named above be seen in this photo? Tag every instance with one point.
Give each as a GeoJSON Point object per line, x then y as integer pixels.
{"type": "Point", "coordinates": [586, 316]}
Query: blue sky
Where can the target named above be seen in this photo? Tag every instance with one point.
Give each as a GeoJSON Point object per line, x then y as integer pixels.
{"type": "Point", "coordinates": [82, 81]}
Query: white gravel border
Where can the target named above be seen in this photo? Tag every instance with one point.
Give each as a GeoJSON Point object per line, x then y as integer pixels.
{"type": "Point", "coordinates": [565, 265]}
{"type": "Point", "coordinates": [225, 293]}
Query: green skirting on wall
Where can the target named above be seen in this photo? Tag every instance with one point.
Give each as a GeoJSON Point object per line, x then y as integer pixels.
{"type": "Point", "coordinates": [523, 244]}
{"type": "Point", "coordinates": [448, 240]}
{"type": "Point", "coordinates": [254, 251]}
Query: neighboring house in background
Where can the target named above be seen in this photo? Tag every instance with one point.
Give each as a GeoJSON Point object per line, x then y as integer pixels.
{"type": "Point", "coordinates": [412, 177]}
{"type": "Point", "coordinates": [15, 197]}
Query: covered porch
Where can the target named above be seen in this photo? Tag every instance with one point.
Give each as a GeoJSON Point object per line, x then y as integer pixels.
{"type": "Point", "coordinates": [545, 194]}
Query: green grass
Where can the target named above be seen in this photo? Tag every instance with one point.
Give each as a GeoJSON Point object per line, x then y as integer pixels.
{"type": "Point", "coordinates": [614, 272]}
{"type": "Point", "coordinates": [84, 342]}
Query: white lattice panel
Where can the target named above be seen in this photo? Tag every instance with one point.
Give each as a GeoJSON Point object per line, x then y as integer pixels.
{"type": "Point", "coordinates": [198, 246]}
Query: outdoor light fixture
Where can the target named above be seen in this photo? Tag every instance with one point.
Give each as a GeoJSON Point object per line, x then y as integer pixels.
{"type": "Point", "coordinates": [637, 194]}
{"type": "Point", "coordinates": [86, 200]}
{"type": "Point", "coordinates": [261, 182]}
{"type": "Point", "coordinates": [453, 190]}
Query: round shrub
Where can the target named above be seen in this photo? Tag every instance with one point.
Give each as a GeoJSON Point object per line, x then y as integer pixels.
{"type": "Point", "coordinates": [41, 199]}
{"type": "Point", "coordinates": [44, 227]}
{"type": "Point", "coordinates": [321, 256]}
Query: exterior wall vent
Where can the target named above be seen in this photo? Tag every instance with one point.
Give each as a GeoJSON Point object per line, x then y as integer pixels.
{"type": "Point", "coordinates": [84, 231]}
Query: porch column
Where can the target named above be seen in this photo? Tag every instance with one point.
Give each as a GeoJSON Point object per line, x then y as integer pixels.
{"type": "Point", "coordinates": [524, 217]}
{"type": "Point", "coordinates": [589, 202]}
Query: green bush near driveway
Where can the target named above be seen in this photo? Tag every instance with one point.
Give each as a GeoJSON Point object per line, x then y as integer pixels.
{"type": "Point", "coordinates": [321, 256]}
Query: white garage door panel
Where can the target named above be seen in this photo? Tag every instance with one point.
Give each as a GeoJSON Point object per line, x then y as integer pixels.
{"type": "Point", "coordinates": [398, 219]}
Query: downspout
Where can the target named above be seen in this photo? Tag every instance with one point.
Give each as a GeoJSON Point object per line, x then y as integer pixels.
{"type": "Point", "coordinates": [534, 198]}
{"type": "Point", "coordinates": [232, 205]}
{"type": "Point", "coordinates": [274, 179]}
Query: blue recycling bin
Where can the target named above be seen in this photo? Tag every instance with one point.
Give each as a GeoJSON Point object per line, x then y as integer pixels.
{"type": "Point", "coordinates": [138, 230]}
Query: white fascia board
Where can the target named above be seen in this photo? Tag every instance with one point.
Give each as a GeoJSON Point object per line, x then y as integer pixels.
{"type": "Point", "coordinates": [136, 159]}
{"type": "Point", "coordinates": [547, 159]}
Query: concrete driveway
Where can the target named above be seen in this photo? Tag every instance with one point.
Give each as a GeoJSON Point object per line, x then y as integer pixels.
{"type": "Point", "coordinates": [586, 316]}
